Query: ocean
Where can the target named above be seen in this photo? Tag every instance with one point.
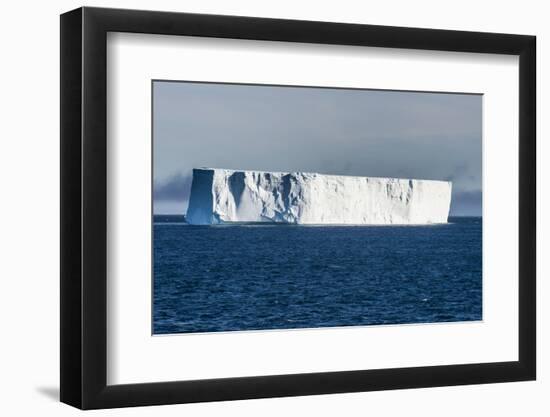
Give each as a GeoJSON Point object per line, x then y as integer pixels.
{"type": "Point", "coordinates": [259, 277]}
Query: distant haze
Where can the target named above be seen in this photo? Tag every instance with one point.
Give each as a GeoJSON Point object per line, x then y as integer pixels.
{"type": "Point", "coordinates": [333, 131]}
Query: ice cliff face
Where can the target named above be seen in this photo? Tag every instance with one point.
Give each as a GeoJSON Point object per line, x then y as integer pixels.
{"type": "Point", "coordinates": [227, 196]}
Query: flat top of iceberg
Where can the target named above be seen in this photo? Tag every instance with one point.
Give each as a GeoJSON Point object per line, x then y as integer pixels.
{"type": "Point", "coordinates": [228, 170]}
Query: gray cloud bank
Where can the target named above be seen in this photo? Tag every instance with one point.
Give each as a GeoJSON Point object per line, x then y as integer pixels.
{"type": "Point", "coordinates": [175, 188]}
{"type": "Point", "coordinates": [332, 131]}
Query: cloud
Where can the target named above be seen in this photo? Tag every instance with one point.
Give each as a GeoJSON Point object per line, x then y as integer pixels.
{"type": "Point", "coordinates": [459, 171]}
{"type": "Point", "coordinates": [466, 203]}
{"type": "Point", "coordinates": [175, 188]}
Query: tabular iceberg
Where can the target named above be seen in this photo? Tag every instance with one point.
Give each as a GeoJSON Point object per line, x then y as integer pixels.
{"type": "Point", "coordinates": [227, 196]}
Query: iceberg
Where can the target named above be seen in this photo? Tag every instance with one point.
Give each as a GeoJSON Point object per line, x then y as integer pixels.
{"type": "Point", "coordinates": [220, 196]}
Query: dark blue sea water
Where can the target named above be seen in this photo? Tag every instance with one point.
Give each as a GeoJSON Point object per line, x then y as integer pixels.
{"type": "Point", "coordinates": [251, 277]}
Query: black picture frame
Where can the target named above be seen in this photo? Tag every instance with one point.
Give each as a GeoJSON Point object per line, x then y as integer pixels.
{"type": "Point", "coordinates": [84, 207]}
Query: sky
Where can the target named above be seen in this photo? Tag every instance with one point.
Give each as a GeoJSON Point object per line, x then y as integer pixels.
{"type": "Point", "coordinates": [376, 133]}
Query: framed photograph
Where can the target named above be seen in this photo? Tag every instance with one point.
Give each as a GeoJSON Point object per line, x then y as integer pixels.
{"type": "Point", "coordinates": [257, 208]}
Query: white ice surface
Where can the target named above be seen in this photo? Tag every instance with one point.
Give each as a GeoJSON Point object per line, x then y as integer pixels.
{"type": "Point", "coordinates": [228, 196]}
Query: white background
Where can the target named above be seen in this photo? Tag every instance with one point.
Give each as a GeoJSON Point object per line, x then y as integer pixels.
{"type": "Point", "coordinates": [30, 238]}
{"type": "Point", "coordinates": [134, 356]}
